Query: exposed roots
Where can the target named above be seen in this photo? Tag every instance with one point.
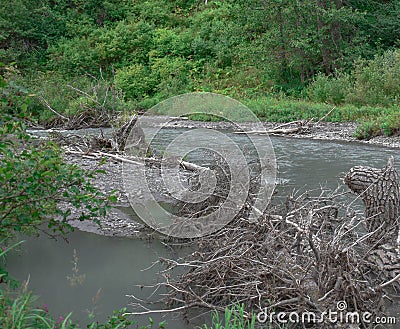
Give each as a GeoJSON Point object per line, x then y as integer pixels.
{"type": "Point", "coordinates": [307, 255]}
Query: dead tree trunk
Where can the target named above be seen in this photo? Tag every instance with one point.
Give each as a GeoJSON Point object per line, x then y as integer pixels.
{"type": "Point", "coordinates": [380, 192]}
{"type": "Point", "coordinates": [130, 136]}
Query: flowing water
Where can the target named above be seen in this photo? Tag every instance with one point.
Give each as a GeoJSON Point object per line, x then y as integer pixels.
{"type": "Point", "coordinates": [94, 274]}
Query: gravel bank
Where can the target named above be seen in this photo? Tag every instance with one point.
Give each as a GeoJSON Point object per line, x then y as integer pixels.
{"type": "Point", "coordinates": [120, 220]}
{"type": "Point", "coordinates": [331, 131]}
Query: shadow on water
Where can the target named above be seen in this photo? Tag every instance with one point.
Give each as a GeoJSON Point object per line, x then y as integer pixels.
{"type": "Point", "coordinates": [107, 269]}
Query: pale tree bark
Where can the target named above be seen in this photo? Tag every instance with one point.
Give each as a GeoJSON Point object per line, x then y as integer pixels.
{"type": "Point", "coordinates": [379, 189]}
{"type": "Point", "coordinates": [130, 137]}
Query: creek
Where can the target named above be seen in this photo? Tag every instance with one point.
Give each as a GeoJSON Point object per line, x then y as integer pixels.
{"type": "Point", "coordinates": [93, 274]}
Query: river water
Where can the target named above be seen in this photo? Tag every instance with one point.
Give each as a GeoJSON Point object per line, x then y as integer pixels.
{"type": "Point", "coordinates": [94, 274]}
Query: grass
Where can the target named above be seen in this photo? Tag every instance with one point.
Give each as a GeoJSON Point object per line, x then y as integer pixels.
{"type": "Point", "coordinates": [17, 311]}
{"type": "Point", "coordinates": [387, 124]}
{"type": "Point", "coordinates": [286, 110]}
{"type": "Point", "coordinates": [234, 318]}
{"type": "Point", "coordinates": [373, 120]}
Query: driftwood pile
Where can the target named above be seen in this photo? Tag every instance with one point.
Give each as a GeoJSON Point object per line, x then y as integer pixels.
{"type": "Point", "coordinates": [114, 147]}
{"type": "Point", "coordinates": [306, 255]}
{"type": "Point", "coordinates": [89, 143]}
{"type": "Point", "coordinates": [288, 128]}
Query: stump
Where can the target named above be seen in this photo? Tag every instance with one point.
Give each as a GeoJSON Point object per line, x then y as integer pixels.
{"type": "Point", "coordinates": [132, 134]}
{"type": "Point", "coordinates": [379, 189]}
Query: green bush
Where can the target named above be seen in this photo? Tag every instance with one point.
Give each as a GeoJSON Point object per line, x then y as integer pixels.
{"type": "Point", "coordinates": [165, 77]}
{"type": "Point", "coordinates": [167, 42]}
{"type": "Point", "coordinates": [14, 97]}
{"type": "Point", "coordinates": [329, 89]}
{"type": "Point", "coordinates": [121, 45]}
{"type": "Point", "coordinates": [377, 81]}
{"type": "Point", "coordinates": [367, 130]}
{"type": "Point", "coordinates": [373, 82]}
{"type": "Point", "coordinates": [35, 180]}
{"type": "Point", "coordinates": [387, 124]}
{"type": "Point", "coordinates": [391, 124]}
{"type": "Point", "coordinates": [135, 81]}
{"type": "Point", "coordinates": [172, 75]}
{"type": "Point", "coordinates": [216, 34]}
{"type": "Point", "coordinates": [156, 12]}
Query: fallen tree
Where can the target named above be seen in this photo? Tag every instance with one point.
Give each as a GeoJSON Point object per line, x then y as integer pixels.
{"type": "Point", "coordinates": [380, 191]}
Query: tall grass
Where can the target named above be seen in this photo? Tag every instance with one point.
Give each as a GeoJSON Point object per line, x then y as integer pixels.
{"type": "Point", "coordinates": [18, 313]}
{"type": "Point", "coordinates": [234, 318]}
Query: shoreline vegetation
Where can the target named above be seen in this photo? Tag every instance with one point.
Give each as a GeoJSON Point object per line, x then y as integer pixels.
{"type": "Point", "coordinates": [85, 64]}
{"type": "Point", "coordinates": [371, 121]}
{"type": "Point", "coordinates": [77, 64]}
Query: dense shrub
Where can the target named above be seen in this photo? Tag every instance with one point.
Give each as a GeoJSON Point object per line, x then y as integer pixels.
{"type": "Point", "coordinates": [166, 76]}
{"type": "Point", "coordinates": [386, 124]}
{"type": "Point", "coordinates": [135, 81]}
{"type": "Point", "coordinates": [167, 42]}
{"type": "Point", "coordinates": [373, 82]}
{"type": "Point", "coordinates": [121, 45]}
{"type": "Point", "coordinates": [377, 81]}
{"type": "Point", "coordinates": [172, 75]}
{"type": "Point", "coordinates": [330, 89]}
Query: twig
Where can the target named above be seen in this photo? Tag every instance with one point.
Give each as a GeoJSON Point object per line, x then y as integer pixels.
{"type": "Point", "coordinates": [325, 116]}
{"type": "Point", "coordinates": [383, 285]}
{"type": "Point", "coordinates": [51, 109]}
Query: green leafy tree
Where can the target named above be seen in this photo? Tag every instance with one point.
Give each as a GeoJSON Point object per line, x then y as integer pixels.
{"type": "Point", "coordinates": [380, 22]}
{"type": "Point", "coordinates": [105, 47]}
{"type": "Point", "coordinates": [37, 188]}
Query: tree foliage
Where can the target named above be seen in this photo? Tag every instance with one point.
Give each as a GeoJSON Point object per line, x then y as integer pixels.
{"type": "Point", "coordinates": [37, 188]}
{"type": "Point", "coordinates": [157, 48]}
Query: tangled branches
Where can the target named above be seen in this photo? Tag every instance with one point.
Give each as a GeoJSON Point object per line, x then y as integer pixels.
{"type": "Point", "coordinates": [303, 256]}
{"type": "Point", "coordinates": [96, 105]}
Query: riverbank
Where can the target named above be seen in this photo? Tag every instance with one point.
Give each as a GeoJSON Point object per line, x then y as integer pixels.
{"type": "Point", "coordinates": [121, 220]}
{"type": "Point", "coordinates": [328, 131]}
